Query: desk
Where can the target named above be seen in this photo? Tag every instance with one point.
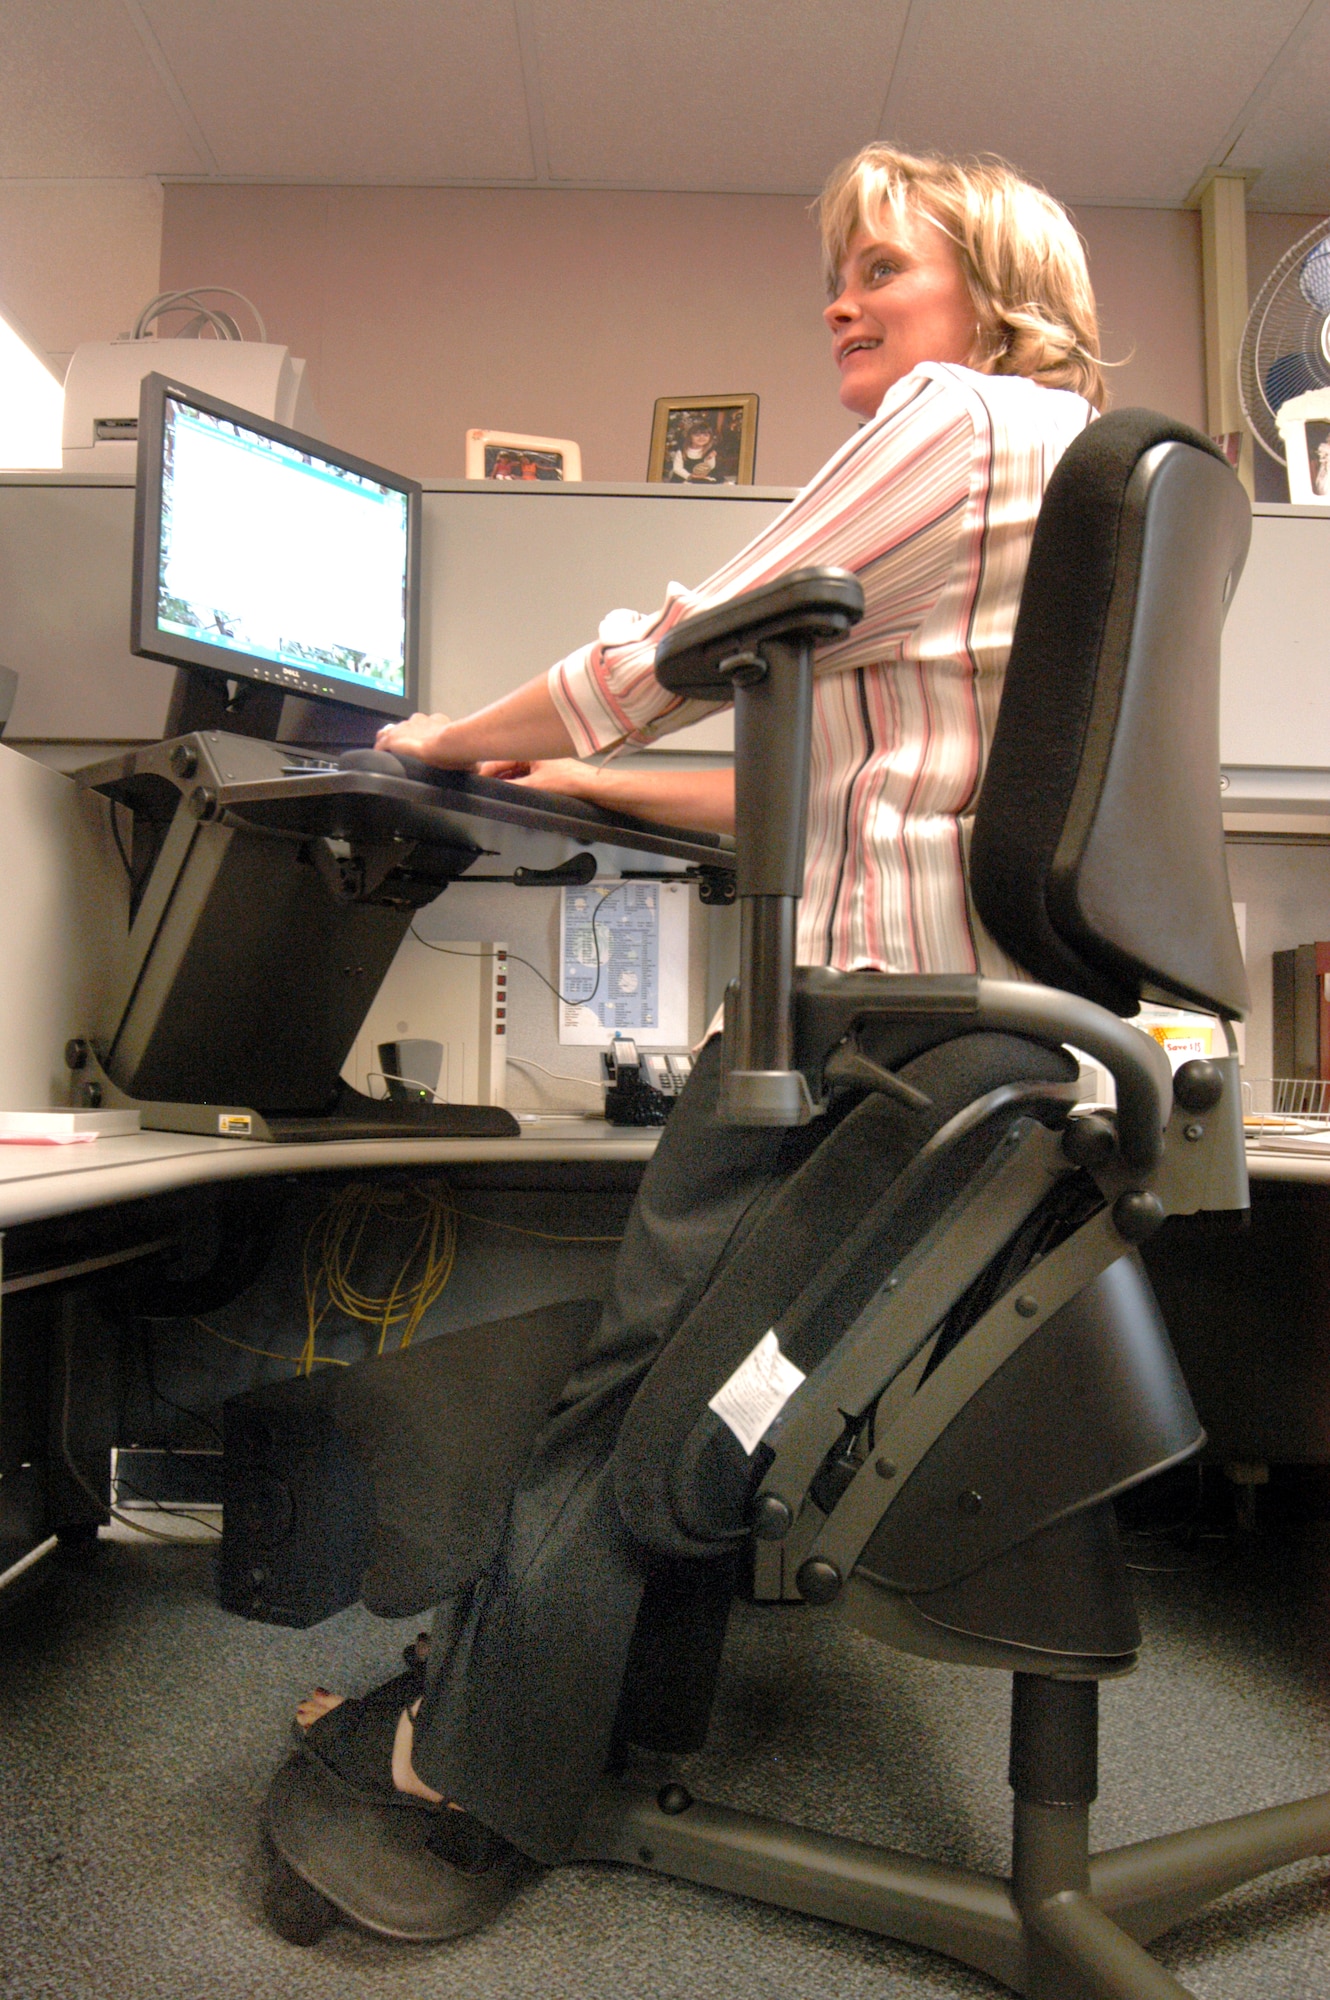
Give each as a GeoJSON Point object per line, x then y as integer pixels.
{"type": "Point", "coordinates": [1264, 1164]}
{"type": "Point", "coordinates": [41, 1182]}
{"type": "Point", "coordinates": [1248, 1311]}
{"type": "Point", "coordinates": [77, 1214]}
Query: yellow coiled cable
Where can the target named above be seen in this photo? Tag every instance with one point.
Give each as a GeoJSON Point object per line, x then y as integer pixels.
{"type": "Point", "coordinates": [333, 1246]}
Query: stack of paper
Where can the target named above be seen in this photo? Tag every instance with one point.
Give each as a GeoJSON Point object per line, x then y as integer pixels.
{"type": "Point", "coordinates": [64, 1128]}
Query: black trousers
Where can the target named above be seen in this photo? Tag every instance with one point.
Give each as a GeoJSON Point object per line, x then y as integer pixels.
{"type": "Point", "coordinates": [528, 1668]}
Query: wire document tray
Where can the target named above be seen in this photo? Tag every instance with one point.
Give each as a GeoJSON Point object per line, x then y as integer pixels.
{"type": "Point", "coordinates": [1287, 1110]}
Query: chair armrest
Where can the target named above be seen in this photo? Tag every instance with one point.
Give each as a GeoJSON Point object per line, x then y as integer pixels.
{"type": "Point", "coordinates": [808, 604]}
{"type": "Point", "coordinates": [1135, 1061]}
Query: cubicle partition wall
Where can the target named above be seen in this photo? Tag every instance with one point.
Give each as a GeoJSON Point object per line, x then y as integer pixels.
{"type": "Point", "coordinates": [1274, 711]}
{"type": "Point", "coordinates": [513, 577]}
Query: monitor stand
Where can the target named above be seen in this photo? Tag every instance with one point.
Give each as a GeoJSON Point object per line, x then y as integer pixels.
{"type": "Point", "coordinates": [204, 699]}
{"type": "Point", "coordinates": [261, 935]}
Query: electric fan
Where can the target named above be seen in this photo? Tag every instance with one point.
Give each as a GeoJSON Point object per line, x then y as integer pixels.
{"type": "Point", "coordinates": [1284, 362]}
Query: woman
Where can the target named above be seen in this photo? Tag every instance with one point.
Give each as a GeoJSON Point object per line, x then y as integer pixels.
{"type": "Point", "coordinates": [963, 329]}
{"type": "Point", "coordinates": [960, 306]}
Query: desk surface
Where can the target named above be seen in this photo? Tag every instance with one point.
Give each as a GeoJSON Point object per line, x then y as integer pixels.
{"type": "Point", "coordinates": [41, 1181]}
{"type": "Point", "coordinates": [1265, 1164]}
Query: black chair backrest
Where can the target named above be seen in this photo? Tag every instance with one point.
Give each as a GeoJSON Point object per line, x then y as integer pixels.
{"type": "Point", "coordinates": [1097, 858]}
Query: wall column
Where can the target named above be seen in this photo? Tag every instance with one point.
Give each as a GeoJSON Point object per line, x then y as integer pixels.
{"type": "Point", "coordinates": [1224, 268]}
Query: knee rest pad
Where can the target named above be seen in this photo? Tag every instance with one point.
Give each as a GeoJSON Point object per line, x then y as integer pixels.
{"type": "Point", "coordinates": [389, 1481]}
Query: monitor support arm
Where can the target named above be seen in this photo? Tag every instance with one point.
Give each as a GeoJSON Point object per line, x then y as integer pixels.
{"type": "Point", "coordinates": [202, 699]}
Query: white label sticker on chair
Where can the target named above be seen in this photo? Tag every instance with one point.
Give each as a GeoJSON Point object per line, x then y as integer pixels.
{"type": "Point", "coordinates": [758, 1391]}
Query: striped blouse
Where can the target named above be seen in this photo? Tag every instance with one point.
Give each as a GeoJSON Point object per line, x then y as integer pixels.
{"type": "Point", "coordinates": [932, 504]}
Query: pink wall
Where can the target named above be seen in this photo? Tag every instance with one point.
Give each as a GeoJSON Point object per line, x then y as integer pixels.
{"type": "Point", "coordinates": [1268, 237]}
{"type": "Point", "coordinates": [423, 311]}
{"type": "Point", "coordinates": [1145, 265]}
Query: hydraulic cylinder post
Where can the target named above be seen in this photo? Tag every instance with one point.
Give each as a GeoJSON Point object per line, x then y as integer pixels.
{"type": "Point", "coordinates": [773, 698]}
{"type": "Point", "coordinates": [1054, 1773]}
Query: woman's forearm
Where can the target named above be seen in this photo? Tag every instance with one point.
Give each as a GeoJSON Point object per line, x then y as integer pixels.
{"type": "Point", "coordinates": [523, 725]}
{"type": "Point", "coordinates": [701, 799]}
{"type": "Point", "coordinates": [525, 730]}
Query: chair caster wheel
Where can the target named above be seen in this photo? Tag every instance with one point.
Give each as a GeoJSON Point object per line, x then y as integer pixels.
{"type": "Point", "coordinates": [296, 1912]}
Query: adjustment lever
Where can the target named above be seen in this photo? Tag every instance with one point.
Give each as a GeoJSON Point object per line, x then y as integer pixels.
{"type": "Point", "coordinates": [848, 1064]}
{"type": "Point", "coordinates": [573, 873]}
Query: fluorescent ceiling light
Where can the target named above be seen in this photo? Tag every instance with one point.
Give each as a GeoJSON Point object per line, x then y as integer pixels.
{"type": "Point", "coordinates": [31, 406]}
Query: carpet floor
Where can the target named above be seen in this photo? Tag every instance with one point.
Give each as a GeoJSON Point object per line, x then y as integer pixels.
{"type": "Point", "coordinates": [139, 1725]}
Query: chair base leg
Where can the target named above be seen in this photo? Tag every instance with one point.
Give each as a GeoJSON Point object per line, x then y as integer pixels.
{"type": "Point", "coordinates": [969, 1917]}
{"type": "Point", "coordinates": [1151, 1885]}
{"type": "Point", "coordinates": [1060, 1944]}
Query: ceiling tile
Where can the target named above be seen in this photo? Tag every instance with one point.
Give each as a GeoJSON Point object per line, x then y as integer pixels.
{"type": "Point", "coordinates": [80, 97]}
{"type": "Point", "coordinates": [338, 89]}
{"type": "Point", "coordinates": [701, 94]}
{"type": "Point", "coordinates": [1116, 103]}
{"type": "Point", "coordinates": [1107, 101]}
{"type": "Point", "coordinates": [1288, 140]}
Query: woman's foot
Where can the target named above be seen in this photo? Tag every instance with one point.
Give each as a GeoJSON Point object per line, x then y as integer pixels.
{"type": "Point", "coordinates": [317, 1705]}
{"type": "Point", "coordinates": [321, 1702]}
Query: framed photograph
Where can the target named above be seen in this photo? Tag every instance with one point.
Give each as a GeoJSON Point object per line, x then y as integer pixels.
{"type": "Point", "coordinates": [703, 440]}
{"type": "Point", "coordinates": [1304, 425]}
{"type": "Point", "coordinates": [508, 455]}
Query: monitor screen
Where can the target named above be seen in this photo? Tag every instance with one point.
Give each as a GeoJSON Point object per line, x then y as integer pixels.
{"type": "Point", "coordinates": [265, 555]}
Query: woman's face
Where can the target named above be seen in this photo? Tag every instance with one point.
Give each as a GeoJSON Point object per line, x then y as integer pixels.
{"type": "Point", "coordinates": [902, 299]}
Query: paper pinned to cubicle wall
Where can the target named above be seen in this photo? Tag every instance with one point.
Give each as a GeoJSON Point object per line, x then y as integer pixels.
{"type": "Point", "coordinates": [624, 964]}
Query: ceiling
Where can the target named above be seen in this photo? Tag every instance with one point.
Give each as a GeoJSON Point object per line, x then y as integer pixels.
{"type": "Point", "coordinates": [1109, 102]}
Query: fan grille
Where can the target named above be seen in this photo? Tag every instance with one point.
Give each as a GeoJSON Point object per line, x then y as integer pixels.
{"type": "Point", "coordinates": [1283, 344]}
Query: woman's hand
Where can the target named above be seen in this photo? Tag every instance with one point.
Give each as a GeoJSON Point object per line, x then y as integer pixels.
{"type": "Point", "coordinates": [523, 724]}
{"type": "Point", "coordinates": [425, 737]}
{"type": "Point", "coordinates": [703, 800]}
{"type": "Point", "coordinates": [522, 737]}
{"type": "Point", "coordinates": [567, 775]}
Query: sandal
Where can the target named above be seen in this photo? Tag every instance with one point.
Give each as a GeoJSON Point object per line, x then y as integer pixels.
{"type": "Point", "coordinates": [353, 1746]}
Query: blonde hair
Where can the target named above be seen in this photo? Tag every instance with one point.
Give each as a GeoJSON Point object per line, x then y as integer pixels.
{"type": "Point", "coordinates": [1023, 261]}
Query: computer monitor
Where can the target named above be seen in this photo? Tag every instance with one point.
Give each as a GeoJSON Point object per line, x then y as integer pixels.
{"type": "Point", "coordinates": [268, 565]}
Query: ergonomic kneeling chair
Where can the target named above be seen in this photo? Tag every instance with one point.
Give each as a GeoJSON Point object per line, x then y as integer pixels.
{"type": "Point", "coordinates": [984, 1364]}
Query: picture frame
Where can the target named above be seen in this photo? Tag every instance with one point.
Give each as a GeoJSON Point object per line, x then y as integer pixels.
{"type": "Point", "coordinates": [511, 455]}
{"type": "Point", "coordinates": [1304, 425]}
{"type": "Point", "coordinates": [703, 441]}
